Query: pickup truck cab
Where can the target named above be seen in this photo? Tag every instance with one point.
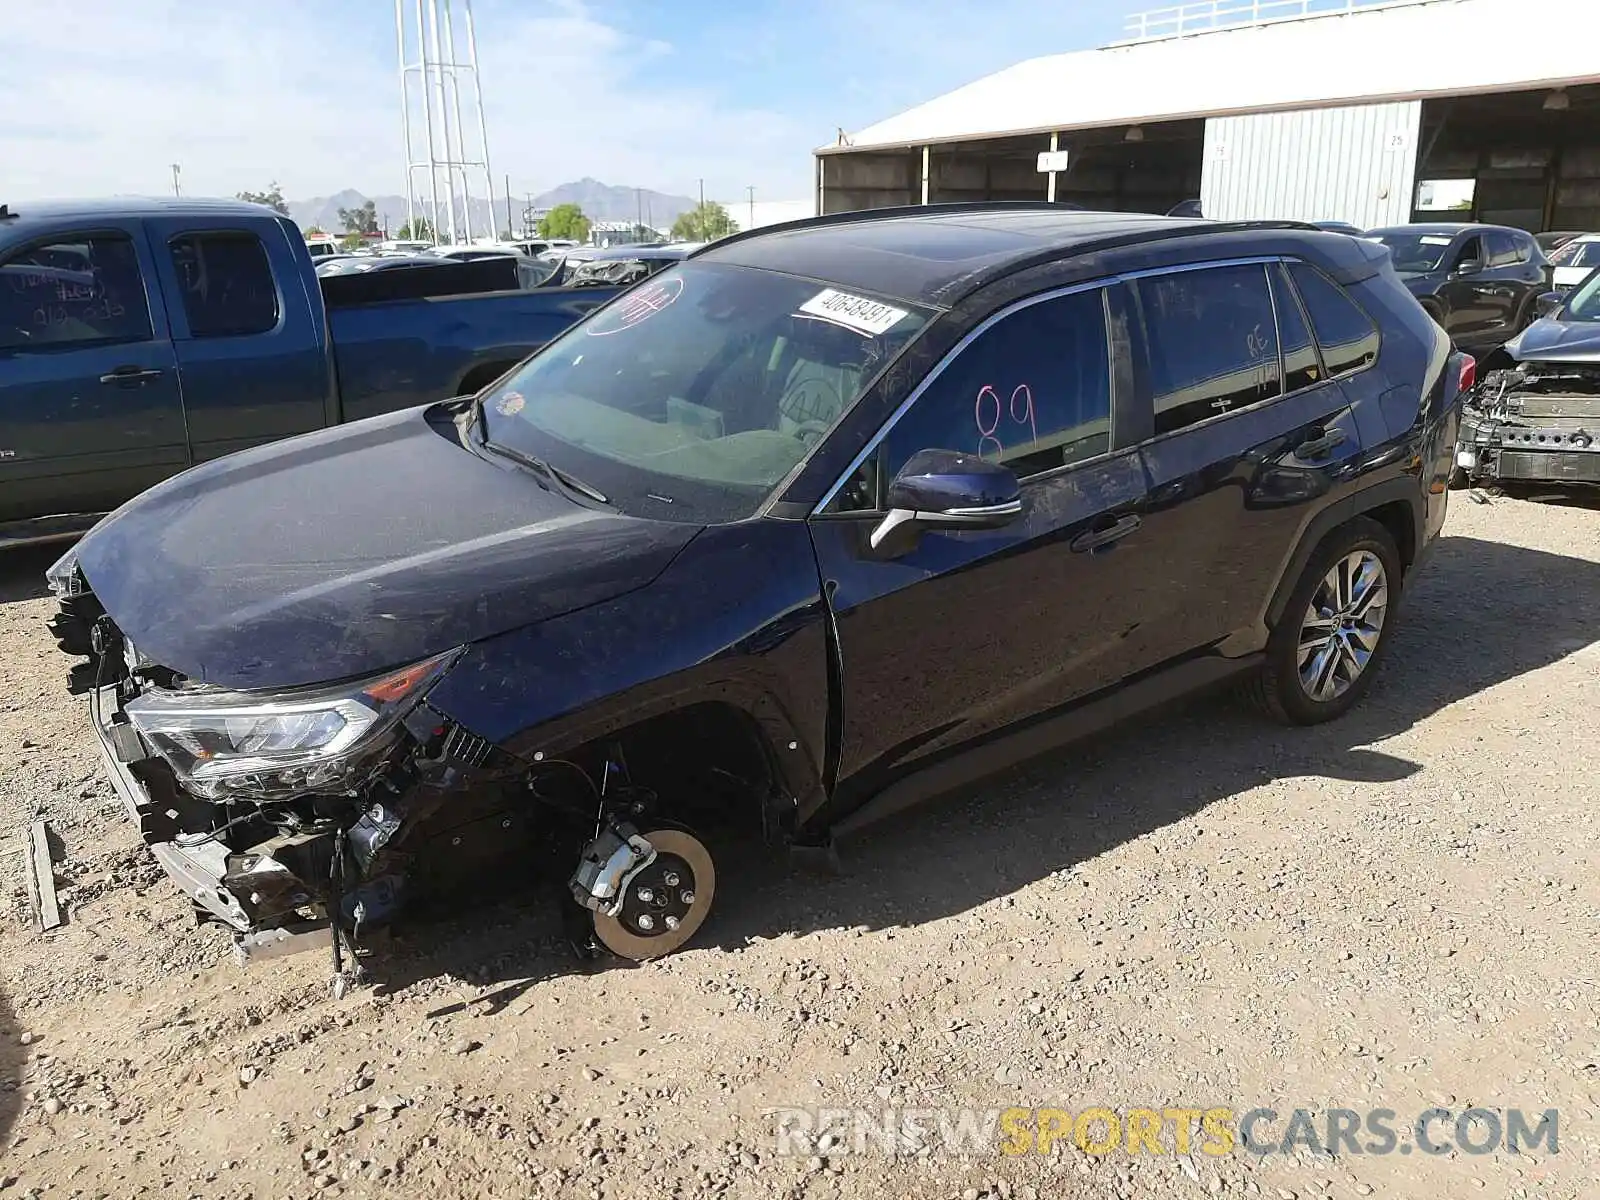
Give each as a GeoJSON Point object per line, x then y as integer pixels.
{"type": "Point", "coordinates": [140, 337]}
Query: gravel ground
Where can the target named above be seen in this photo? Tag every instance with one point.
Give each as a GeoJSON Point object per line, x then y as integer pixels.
{"type": "Point", "coordinates": [1396, 911]}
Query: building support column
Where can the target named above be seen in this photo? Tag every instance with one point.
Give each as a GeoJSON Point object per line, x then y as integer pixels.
{"type": "Point", "coordinates": [1050, 186]}
{"type": "Point", "coordinates": [927, 158]}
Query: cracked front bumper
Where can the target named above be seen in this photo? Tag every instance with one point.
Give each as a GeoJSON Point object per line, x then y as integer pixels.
{"type": "Point", "coordinates": [207, 871]}
{"type": "Point", "coordinates": [199, 870]}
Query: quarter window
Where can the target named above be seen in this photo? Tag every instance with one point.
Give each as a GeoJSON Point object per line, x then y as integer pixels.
{"type": "Point", "coordinates": [78, 291]}
{"type": "Point", "coordinates": [1213, 345]}
{"type": "Point", "coordinates": [1348, 337]}
{"type": "Point", "coordinates": [1301, 367]}
{"type": "Point", "coordinates": [226, 283]}
{"type": "Point", "coordinates": [1033, 391]}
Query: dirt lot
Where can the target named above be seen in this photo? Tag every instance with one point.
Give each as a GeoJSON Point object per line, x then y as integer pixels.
{"type": "Point", "coordinates": [1397, 911]}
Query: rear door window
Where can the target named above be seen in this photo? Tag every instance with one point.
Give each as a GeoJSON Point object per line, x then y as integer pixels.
{"type": "Point", "coordinates": [1502, 249]}
{"type": "Point", "coordinates": [1033, 391]}
{"type": "Point", "coordinates": [75, 291]}
{"type": "Point", "coordinates": [1212, 343]}
{"type": "Point", "coordinates": [1348, 338]}
{"type": "Point", "coordinates": [227, 284]}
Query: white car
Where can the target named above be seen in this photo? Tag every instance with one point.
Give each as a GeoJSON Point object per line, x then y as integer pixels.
{"type": "Point", "coordinates": [1574, 260]}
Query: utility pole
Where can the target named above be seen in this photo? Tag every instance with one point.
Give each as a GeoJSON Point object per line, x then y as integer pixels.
{"type": "Point", "coordinates": [510, 229]}
{"type": "Point", "coordinates": [176, 189]}
{"type": "Point", "coordinates": [752, 192]}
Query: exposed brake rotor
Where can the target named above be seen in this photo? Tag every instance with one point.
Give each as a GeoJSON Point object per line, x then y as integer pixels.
{"type": "Point", "coordinates": [665, 903]}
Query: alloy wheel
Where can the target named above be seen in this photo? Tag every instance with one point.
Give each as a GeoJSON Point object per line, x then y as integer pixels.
{"type": "Point", "coordinates": [1342, 625]}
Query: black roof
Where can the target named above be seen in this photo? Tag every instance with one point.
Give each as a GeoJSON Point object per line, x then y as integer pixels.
{"type": "Point", "coordinates": [933, 254]}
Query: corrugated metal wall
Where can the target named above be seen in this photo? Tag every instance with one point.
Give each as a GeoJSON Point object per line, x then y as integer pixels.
{"type": "Point", "coordinates": [1355, 164]}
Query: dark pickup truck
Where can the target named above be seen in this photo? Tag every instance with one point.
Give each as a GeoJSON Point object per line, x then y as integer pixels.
{"type": "Point", "coordinates": [138, 338]}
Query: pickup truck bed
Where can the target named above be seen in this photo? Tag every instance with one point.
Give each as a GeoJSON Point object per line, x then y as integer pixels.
{"type": "Point", "coordinates": [139, 337]}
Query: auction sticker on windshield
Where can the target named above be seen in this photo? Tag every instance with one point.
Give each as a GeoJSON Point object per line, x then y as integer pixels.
{"type": "Point", "coordinates": [639, 305]}
{"type": "Point", "coordinates": [871, 317]}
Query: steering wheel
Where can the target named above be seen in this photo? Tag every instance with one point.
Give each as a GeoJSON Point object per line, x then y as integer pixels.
{"type": "Point", "coordinates": [810, 431]}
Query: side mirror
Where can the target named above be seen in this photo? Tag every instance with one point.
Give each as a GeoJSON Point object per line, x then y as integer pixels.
{"type": "Point", "coordinates": [1548, 304]}
{"type": "Point", "coordinates": [945, 489]}
{"type": "Point", "coordinates": [1469, 266]}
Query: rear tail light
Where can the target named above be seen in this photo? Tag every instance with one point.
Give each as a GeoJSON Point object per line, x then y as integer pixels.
{"type": "Point", "coordinates": [1469, 373]}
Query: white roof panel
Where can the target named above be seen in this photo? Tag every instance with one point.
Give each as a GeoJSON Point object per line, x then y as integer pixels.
{"type": "Point", "coordinates": [1391, 52]}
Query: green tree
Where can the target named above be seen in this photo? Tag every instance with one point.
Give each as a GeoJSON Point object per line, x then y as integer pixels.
{"type": "Point", "coordinates": [360, 220]}
{"type": "Point", "coordinates": [565, 221]}
{"type": "Point", "coordinates": [272, 198]}
{"type": "Point", "coordinates": [418, 229]}
{"type": "Point", "coordinates": [704, 223]}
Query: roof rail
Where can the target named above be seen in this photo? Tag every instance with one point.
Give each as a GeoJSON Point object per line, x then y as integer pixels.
{"type": "Point", "coordinates": [851, 216]}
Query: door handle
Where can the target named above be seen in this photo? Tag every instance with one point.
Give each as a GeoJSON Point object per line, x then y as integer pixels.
{"type": "Point", "coordinates": [131, 375]}
{"type": "Point", "coordinates": [1319, 447]}
{"type": "Point", "coordinates": [1105, 535]}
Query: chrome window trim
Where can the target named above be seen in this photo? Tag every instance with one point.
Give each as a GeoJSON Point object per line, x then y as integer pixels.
{"type": "Point", "coordinates": [1104, 281]}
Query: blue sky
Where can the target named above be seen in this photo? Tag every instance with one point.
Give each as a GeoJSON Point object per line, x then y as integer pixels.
{"type": "Point", "coordinates": [101, 96]}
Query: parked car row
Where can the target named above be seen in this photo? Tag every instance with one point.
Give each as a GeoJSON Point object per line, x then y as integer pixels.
{"type": "Point", "coordinates": [809, 524]}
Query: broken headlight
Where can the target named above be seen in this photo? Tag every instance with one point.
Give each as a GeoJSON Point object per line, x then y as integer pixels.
{"type": "Point", "coordinates": [271, 745]}
{"type": "Point", "coordinates": [63, 576]}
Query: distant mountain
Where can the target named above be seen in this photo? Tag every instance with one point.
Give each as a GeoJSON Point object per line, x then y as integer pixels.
{"type": "Point", "coordinates": [599, 201]}
{"type": "Point", "coordinates": [604, 202]}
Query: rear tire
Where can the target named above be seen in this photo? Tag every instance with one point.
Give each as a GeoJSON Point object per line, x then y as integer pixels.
{"type": "Point", "coordinates": [1334, 632]}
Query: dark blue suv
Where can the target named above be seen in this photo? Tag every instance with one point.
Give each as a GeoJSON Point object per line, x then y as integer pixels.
{"type": "Point", "coordinates": [825, 518]}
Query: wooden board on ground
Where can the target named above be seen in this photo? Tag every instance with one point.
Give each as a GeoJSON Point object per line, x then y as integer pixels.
{"type": "Point", "coordinates": [42, 876]}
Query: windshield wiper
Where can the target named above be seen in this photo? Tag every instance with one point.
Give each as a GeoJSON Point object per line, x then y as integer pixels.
{"type": "Point", "coordinates": [555, 475]}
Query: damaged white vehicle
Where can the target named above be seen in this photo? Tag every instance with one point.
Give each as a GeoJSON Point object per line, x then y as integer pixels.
{"type": "Point", "coordinates": [1536, 419]}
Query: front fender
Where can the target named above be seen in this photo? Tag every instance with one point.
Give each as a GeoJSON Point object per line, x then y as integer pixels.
{"type": "Point", "coordinates": [737, 618]}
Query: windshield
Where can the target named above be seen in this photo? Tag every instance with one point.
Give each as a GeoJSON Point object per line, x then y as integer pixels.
{"type": "Point", "coordinates": [1583, 302]}
{"type": "Point", "coordinates": [695, 392]}
{"type": "Point", "coordinates": [1577, 254]}
{"type": "Point", "coordinates": [1419, 252]}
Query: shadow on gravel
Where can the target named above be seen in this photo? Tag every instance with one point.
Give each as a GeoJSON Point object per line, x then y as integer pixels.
{"type": "Point", "coordinates": [11, 1063]}
{"type": "Point", "coordinates": [1553, 494]}
{"type": "Point", "coordinates": [22, 572]}
{"type": "Point", "coordinates": [1480, 613]}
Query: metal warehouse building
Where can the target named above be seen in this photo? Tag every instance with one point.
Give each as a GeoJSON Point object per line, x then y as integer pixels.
{"type": "Point", "coordinates": [1372, 113]}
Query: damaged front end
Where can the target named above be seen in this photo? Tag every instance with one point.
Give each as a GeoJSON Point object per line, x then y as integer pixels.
{"type": "Point", "coordinates": [308, 817]}
{"type": "Point", "coordinates": [1538, 422]}
{"type": "Point", "coordinates": [281, 814]}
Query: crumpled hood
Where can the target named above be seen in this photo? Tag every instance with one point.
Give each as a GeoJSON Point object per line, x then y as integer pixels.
{"type": "Point", "coordinates": [353, 549]}
{"type": "Point", "coordinates": [1552, 340]}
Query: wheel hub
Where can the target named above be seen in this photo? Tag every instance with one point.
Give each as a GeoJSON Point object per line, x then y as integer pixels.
{"type": "Point", "coordinates": [665, 903]}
